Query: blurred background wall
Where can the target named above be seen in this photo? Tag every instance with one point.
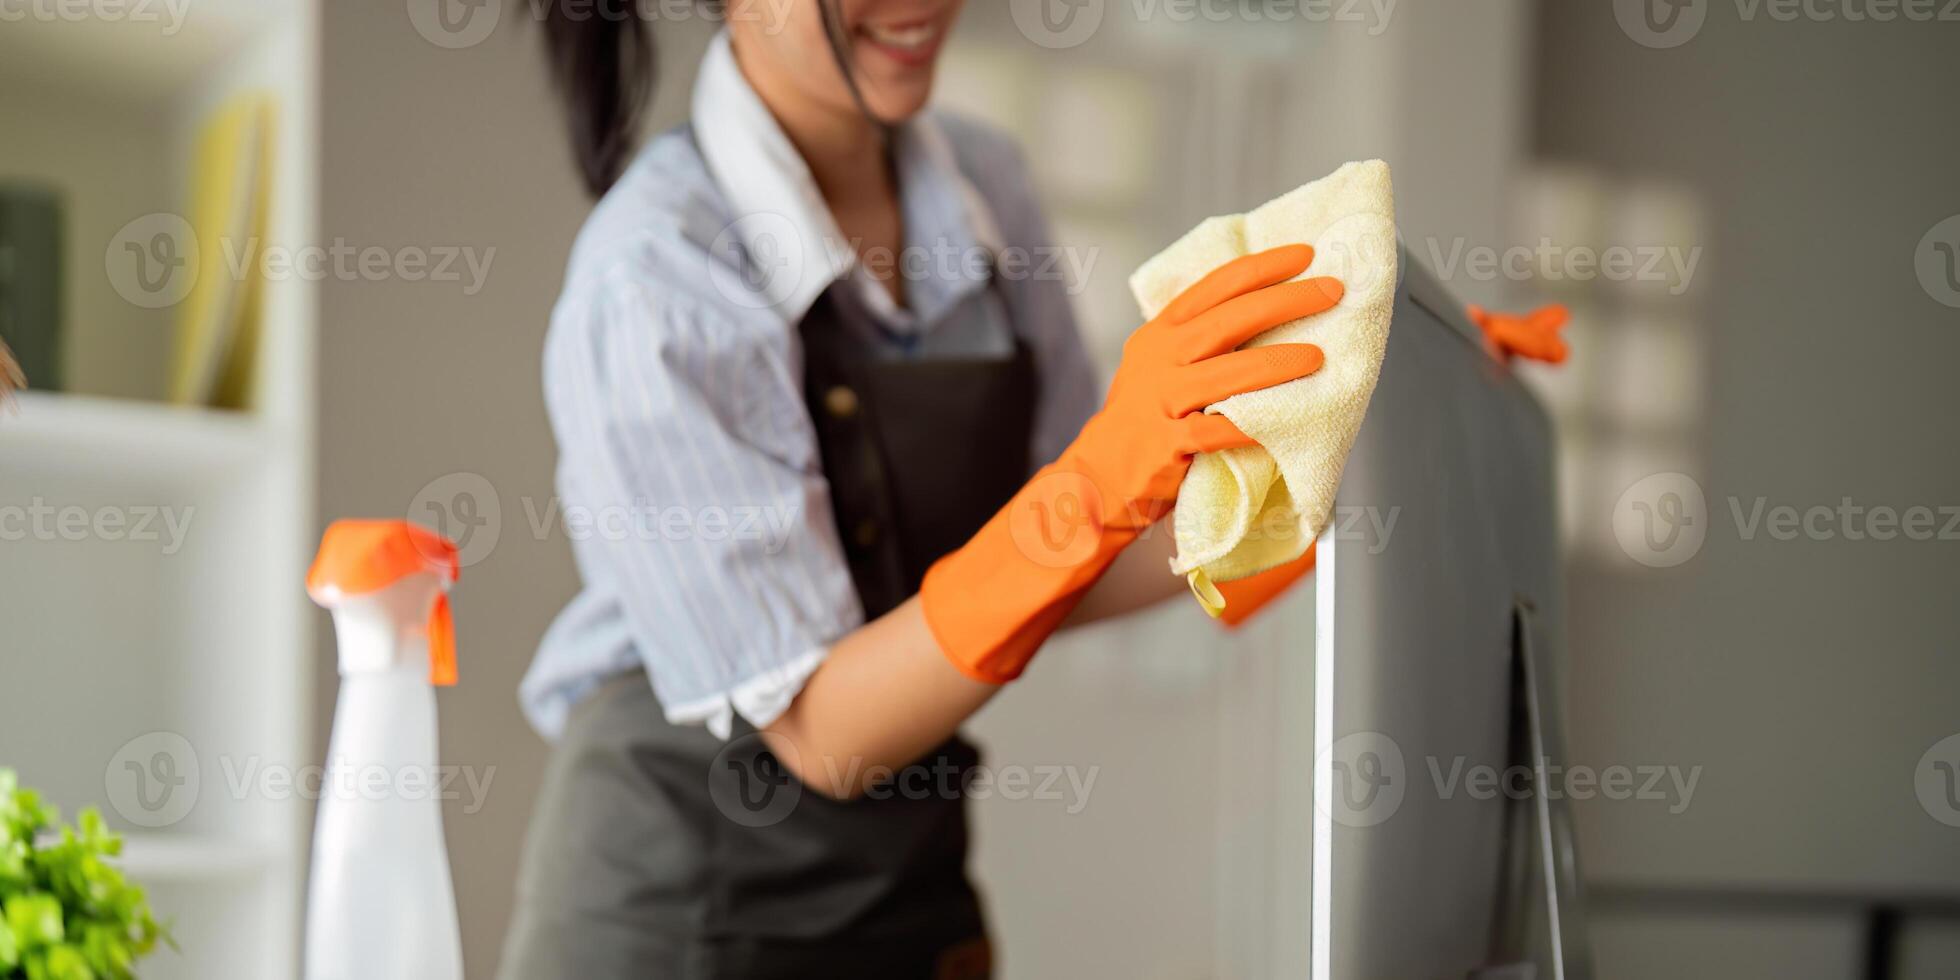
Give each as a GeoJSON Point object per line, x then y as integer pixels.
{"type": "Point", "coordinates": [430, 396]}
{"type": "Point", "coordinates": [1798, 168]}
{"type": "Point", "coordinates": [1808, 677]}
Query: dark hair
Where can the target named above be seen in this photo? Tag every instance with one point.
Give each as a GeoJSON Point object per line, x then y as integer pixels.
{"type": "Point", "coordinates": [603, 66]}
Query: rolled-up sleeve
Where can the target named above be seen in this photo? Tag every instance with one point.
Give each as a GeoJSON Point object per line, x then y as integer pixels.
{"type": "Point", "coordinates": [694, 495]}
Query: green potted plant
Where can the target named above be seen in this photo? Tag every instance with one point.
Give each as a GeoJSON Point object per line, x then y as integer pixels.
{"type": "Point", "coordinates": [66, 913]}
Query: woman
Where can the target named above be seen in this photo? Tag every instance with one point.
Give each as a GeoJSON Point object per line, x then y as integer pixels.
{"type": "Point", "coordinates": [805, 440]}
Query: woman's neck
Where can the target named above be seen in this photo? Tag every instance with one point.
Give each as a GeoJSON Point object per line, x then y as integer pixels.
{"type": "Point", "coordinates": [849, 161]}
{"type": "Point", "coordinates": [844, 150]}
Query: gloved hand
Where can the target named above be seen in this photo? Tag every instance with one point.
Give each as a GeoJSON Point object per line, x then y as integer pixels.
{"type": "Point", "coordinates": [1533, 335]}
{"type": "Point", "coordinates": [991, 603]}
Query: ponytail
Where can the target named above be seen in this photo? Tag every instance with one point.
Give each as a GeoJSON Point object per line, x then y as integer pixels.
{"type": "Point", "coordinates": [602, 64]}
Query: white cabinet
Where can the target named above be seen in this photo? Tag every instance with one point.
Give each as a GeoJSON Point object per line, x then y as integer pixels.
{"type": "Point", "coordinates": [155, 649]}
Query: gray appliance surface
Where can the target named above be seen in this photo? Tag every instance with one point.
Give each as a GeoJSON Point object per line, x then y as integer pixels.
{"type": "Point", "coordinates": [1417, 629]}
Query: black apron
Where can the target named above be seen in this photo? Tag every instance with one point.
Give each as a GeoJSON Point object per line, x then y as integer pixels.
{"type": "Point", "coordinates": [660, 851]}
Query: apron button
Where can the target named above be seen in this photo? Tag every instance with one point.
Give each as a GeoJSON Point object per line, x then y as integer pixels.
{"type": "Point", "coordinates": [866, 533]}
{"type": "Point", "coordinates": [841, 402]}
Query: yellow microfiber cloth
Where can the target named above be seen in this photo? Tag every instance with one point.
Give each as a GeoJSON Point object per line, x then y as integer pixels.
{"type": "Point", "coordinates": [1243, 511]}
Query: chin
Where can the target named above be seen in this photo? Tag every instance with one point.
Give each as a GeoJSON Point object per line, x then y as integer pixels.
{"type": "Point", "coordinates": [896, 105]}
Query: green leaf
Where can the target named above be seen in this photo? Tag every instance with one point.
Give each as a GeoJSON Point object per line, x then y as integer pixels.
{"type": "Point", "coordinates": [66, 912]}
{"type": "Point", "coordinates": [35, 920]}
{"type": "Point", "coordinates": [14, 872]}
{"type": "Point", "coordinates": [59, 963]}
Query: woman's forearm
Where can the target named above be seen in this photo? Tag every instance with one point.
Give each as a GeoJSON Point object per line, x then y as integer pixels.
{"type": "Point", "coordinates": [1140, 576]}
{"type": "Point", "coordinates": [886, 695]}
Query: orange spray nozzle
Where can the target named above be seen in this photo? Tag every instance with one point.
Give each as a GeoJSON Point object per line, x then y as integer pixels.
{"type": "Point", "coordinates": [357, 557]}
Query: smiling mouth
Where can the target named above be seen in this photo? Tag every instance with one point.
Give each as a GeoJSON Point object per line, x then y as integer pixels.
{"type": "Point", "coordinates": [909, 43]}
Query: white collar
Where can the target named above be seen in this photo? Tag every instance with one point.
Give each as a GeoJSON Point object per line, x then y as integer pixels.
{"type": "Point", "coordinates": [792, 244]}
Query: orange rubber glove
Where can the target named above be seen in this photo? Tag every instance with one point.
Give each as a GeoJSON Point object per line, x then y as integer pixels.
{"type": "Point", "coordinates": [1245, 597]}
{"type": "Point", "coordinates": [993, 602]}
{"type": "Point", "coordinates": [1533, 335]}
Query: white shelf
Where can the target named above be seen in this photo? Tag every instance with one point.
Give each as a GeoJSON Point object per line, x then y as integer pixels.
{"type": "Point", "coordinates": [199, 627]}
{"type": "Point", "coordinates": [81, 435]}
{"type": "Point", "coordinates": [167, 858]}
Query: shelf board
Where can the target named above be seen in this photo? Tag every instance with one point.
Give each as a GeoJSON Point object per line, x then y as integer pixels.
{"type": "Point", "coordinates": [147, 51]}
{"type": "Point", "coordinates": [84, 435]}
{"type": "Point", "coordinates": [164, 857]}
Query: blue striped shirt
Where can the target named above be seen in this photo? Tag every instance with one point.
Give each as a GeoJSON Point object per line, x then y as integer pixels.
{"type": "Point", "coordinates": [689, 477]}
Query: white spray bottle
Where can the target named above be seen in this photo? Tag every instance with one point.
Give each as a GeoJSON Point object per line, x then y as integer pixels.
{"type": "Point", "coordinates": [380, 905]}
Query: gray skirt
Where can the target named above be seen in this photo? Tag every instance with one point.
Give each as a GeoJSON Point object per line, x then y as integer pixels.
{"type": "Point", "coordinates": [658, 850]}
